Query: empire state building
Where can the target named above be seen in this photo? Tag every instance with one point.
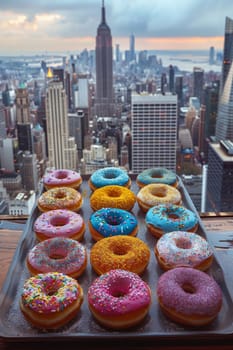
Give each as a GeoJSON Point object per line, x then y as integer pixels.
{"type": "Point", "coordinates": [104, 101]}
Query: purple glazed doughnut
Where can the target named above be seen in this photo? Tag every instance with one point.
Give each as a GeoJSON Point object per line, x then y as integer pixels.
{"type": "Point", "coordinates": [189, 296]}
{"type": "Point", "coordinates": [59, 223]}
{"type": "Point", "coordinates": [62, 178]}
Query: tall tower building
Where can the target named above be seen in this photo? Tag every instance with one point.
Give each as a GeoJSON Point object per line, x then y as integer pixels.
{"type": "Point", "coordinates": [224, 123]}
{"type": "Point", "coordinates": [29, 171]}
{"type": "Point", "coordinates": [132, 47]}
{"type": "Point", "coordinates": [171, 79]}
{"type": "Point", "coordinates": [227, 51]}
{"type": "Point", "coordinates": [154, 131]}
{"type": "Point", "coordinates": [2, 122]}
{"type": "Point", "coordinates": [198, 82]}
{"type": "Point", "coordinates": [220, 176]}
{"type": "Point", "coordinates": [62, 150]}
{"type": "Point", "coordinates": [24, 125]}
{"type": "Point", "coordinates": [104, 106]}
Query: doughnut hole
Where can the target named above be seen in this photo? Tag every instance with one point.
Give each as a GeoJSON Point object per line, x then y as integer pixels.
{"type": "Point", "coordinates": [188, 288]}
{"type": "Point", "coordinates": [57, 254]}
{"type": "Point", "coordinates": [173, 216]}
{"type": "Point", "coordinates": [120, 249]}
{"type": "Point", "coordinates": [114, 221]}
{"type": "Point", "coordinates": [115, 192]}
{"type": "Point", "coordinates": [61, 175]}
{"type": "Point", "coordinates": [119, 287]}
{"type": "Point", "coordinates": [156, 175]}
{"type": "Point", "coordinates": [59, 221]}
{"type": "Point", "coordinates": [51, 289]}
{"type": "Point", "coordinates": [60, 194]}
{"type": "Point", "coordinates": [160, 192]}
{"type": "Point", "coordinates": [183, 243]}
{"type": "Point", "coordinates": [110, 175]}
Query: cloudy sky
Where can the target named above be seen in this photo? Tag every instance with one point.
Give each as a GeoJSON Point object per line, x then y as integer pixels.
{"type": "Point", "coordinates": [28, 26]}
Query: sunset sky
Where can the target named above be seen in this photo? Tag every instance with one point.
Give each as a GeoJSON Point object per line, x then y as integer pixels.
{"type": "Point", "coordinates": [70, 25]}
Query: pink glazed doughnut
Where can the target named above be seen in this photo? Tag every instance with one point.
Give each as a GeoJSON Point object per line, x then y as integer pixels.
{"type": "Point", "coordinates": [119, 299]}
{"type": "Point", "coordinates": [189, 296]}
{"type": "Point", "coordinates": [58, 254]}
{"type": "Point", "coordinates": [62, 178]}
{"type": "Point", "coordinates": [59, 223]}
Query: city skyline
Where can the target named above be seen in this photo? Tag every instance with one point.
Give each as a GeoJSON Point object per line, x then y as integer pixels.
{"type": "Point", "coordinates": [66, 26]}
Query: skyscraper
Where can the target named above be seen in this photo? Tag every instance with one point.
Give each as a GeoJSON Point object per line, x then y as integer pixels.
{"type": "Point", "coordinates": [154, 131]}
{"type": "Point", "coordinates": [104, 106]}
{"type": "Point", "coordinates": [227, 51]}
{"type": "Point", "coordinates": [224, 123]}
{"type": "Point", "coordinates": [62, 150]}
{"type": "Point", "coordinates": [24, 125]}
{"type": "Point", "coordinates": [220, 177]}
{"type": "Point", "coordinates": [132, 47]}
{"type": "Point", "coordinates": [171, 79]}
{"type": "Point", "coordinates": [198, 82]}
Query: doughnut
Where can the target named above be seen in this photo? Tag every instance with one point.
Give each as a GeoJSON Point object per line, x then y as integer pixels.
{"type": "Point", "coordinates": [59, 223]}
{"type": "Point", "coordinates": [109, 176]}
{"type": "Point", "coordinates": [163, 218]}
{"type": "Point", "coordinates": [119, 252]}
{"type": "Point", "coordinates": [60, 198]}
{"type": "Point", "coordinates": [62, 178]}
{"type": "Point", "coordinates": [112, 197]}
{"type": "Point", "coordinates": [50, 300]}
{"type": "Point", "coordinates": [119, 299]}
{"type": "Point", "coordinates": [185, 249]}
{"type": "Point", "coordinates": [57, 254]}
{"type": "Point", "coordinates": [156, 175]}
{"type": "Point", "coordinates": [107, 222]}
{"type": "Point", "coordinates": [189, 296]}
{"type": "Point", "coordinates": [153, 194]}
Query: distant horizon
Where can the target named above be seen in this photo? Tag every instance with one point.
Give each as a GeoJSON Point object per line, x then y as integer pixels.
{"type": "Point", "coordinates": [159, 51]}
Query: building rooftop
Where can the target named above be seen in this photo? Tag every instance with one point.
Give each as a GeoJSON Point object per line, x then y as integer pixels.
{"type": "Point", "coordinates": [221, 152]}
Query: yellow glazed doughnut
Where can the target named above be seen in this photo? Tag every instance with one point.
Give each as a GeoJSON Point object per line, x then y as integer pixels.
{"type": "Point", "coordinates": [120, 252]}
{"type": "Point", "coordinates": [154, 194]}
{"type": "Point", "coordinates": [112, 197]}
{"type": "Point", "coordinates": [60, 198]}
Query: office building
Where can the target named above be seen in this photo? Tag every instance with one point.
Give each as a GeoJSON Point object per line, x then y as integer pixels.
{"type": "Point", "coordinates": [24, 125]}
{"type": "Point", "coordinates": [62, 150]}
{"type": "Point", "coordinates": [179, 90]}
{"type": "Point", "coordinates": [210, 100]}
{"type": "Point", "coordinates": [22, 203]}
{"type": "Point", "coordinates": [104, 106]}
{"type": "Point", "coordinates": [154, 131]}
{"type": "Point", "coordinates": [227, 51]}
{"type": "Point", "coordinates": [224, 123]}
{"type": "Point", "coordinates": [220, 177]}
{"type": "Point", "coordinates": [30, 172]}
{"type": "Point", "coordinates": [198, 82]}
{"type": "Point", "coordinates": [2, 122]}
{"type": "Point", "coordinates": [132, 47]}
{"type": "Point", "coordinates": [7, 154]}
{"type": "Point", "coordinates": [171, 79]}
{"type": "Point", "coordinates": [212, 55]}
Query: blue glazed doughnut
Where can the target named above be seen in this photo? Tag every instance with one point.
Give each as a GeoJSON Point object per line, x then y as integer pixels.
{"type": "Point", "coordinates": [166, 218]}
{"type": "Point", "coordinates": [109, 176]}
{"type": "Point", "coordinates": [156, 176]}
{"type": "Point", "coordinates": [107, 222]}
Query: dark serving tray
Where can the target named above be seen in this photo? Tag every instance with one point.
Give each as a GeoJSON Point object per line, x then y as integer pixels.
{"type": "Point", "coordinates": [83, 328]}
